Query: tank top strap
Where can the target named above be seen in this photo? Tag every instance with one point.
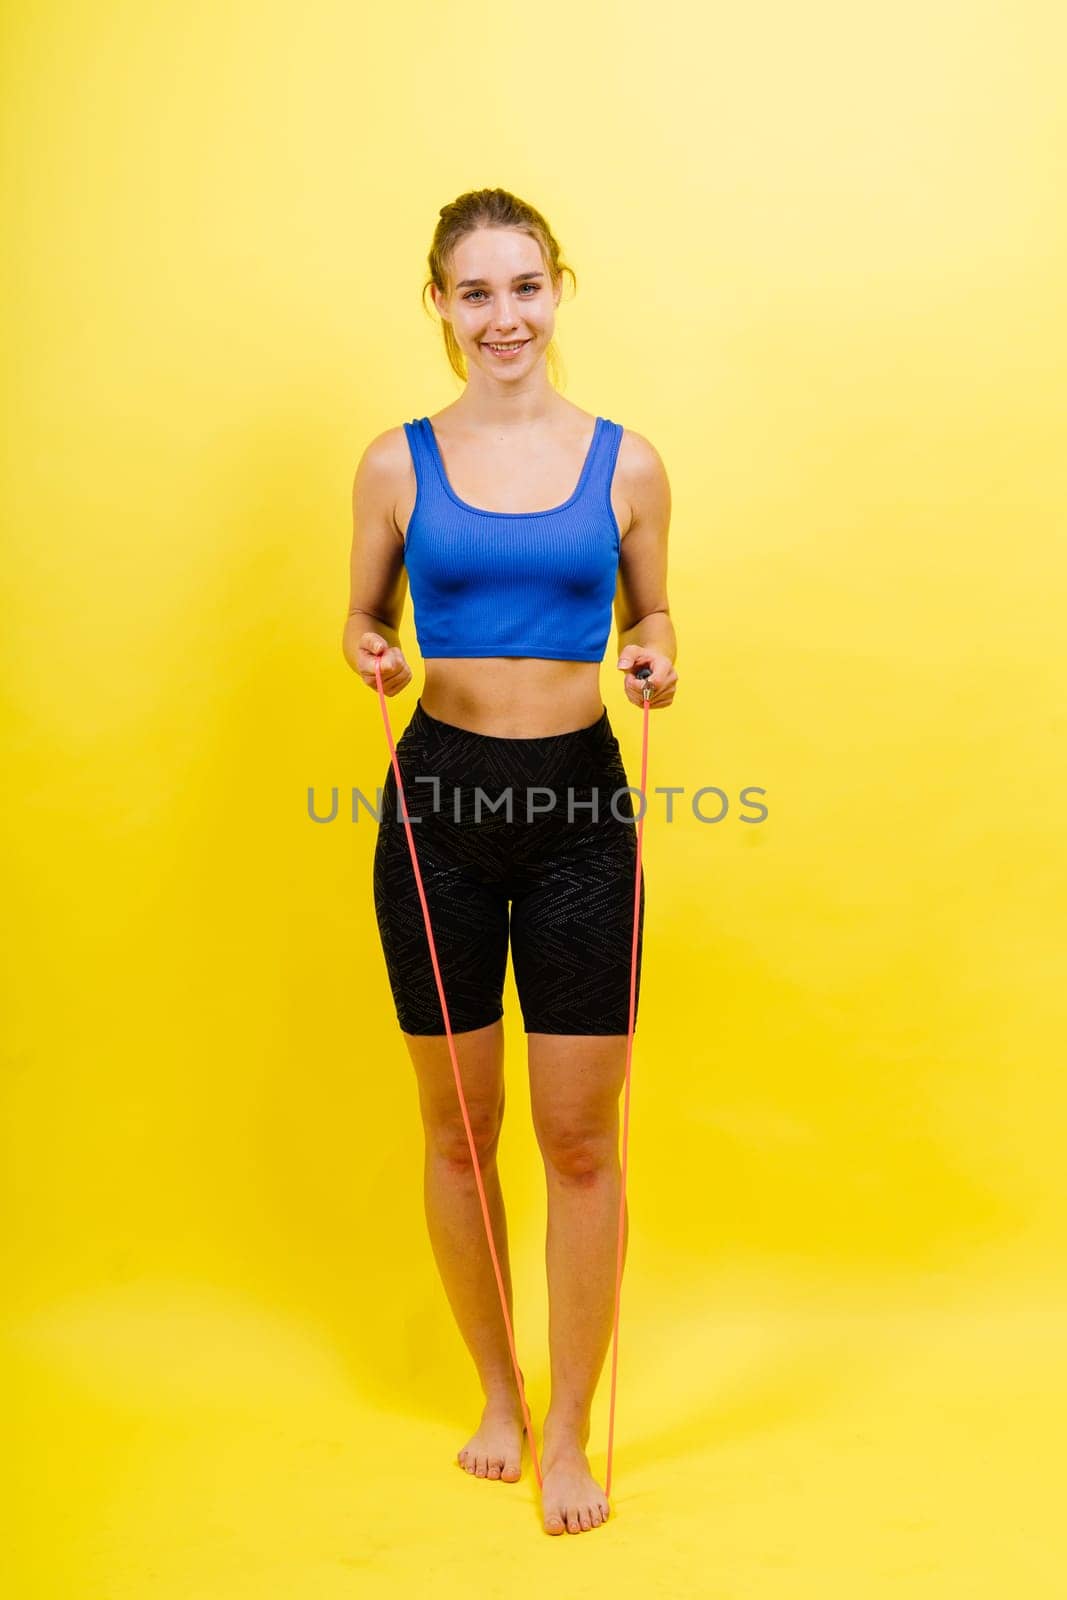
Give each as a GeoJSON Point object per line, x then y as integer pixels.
{"type": "Point", "coordinates": [421, 448]}
{"type": "Point", "coordinates": [605, 454]}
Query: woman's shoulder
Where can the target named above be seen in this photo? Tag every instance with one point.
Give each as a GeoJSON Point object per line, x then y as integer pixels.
{"type": "Point", "coordinates": [388, 454]}
{"type": "Point", "coordinates": [640, 464]}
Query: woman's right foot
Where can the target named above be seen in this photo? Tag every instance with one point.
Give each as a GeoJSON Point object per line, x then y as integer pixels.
{"type": "Point", "coordinates": [495, 1450]}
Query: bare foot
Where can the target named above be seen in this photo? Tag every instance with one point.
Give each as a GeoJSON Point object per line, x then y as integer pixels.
{"type": "Point", "coordinates": [571, 1498]}
{"type": "Point", "coordinates": [495, 1451]}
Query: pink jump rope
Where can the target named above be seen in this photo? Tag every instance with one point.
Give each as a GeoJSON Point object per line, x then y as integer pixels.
{"type": "Point", "coordinates": [640, 672]}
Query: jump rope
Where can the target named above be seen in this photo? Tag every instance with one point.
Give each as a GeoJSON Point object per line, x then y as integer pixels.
{"type": "Point", "coordinates": [646, 693]}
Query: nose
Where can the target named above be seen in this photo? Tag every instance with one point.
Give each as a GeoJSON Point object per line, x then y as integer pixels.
{"type": "Point", "coordinates": [506, 320]}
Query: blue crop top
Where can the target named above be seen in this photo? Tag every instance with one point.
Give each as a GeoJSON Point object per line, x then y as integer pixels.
{"type": "Point", "coordinates": [513, 583]}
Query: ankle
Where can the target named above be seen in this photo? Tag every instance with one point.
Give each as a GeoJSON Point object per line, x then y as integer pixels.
{"type": "Point", "coordinates": [503, 1405]}
{"type": "Point", "coordinates": [564, 1427]}
{"type": "Point", "coordinates": [502, 1396]}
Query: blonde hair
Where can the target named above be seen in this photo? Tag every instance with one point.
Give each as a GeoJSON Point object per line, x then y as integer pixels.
{"type": "Point", "coordinates": [489, 208]}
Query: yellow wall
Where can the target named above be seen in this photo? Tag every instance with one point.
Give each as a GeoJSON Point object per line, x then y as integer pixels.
{"type": "Point", "coordinates": [820, 257]}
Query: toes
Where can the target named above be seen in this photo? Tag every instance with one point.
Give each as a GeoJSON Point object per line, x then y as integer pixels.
{"type": "Point", "coordinates": [482, 1467]}
{"type": "Point", "coordinates": [573, 1524]}
{"type": "Point", "coordinates": [594, 1516]}
{"type": "Point", "coordinates": [495, 1467]}
{"type": "Point", "coordinates": [584, 1519]}
{"type": "Point", "coordinates": [512, 1472]}
{"type": "Point", "coordinates": [553, 1522]}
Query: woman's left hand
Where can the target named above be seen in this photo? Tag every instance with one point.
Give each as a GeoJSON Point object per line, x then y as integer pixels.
{"type": "Point", "coordinates": [662, 682]}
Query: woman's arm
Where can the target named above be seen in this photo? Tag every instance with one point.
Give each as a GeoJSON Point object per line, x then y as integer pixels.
{"type": "Point", "coordinates": [642, 610]}
{"type": "Point", "coordinates": [377, 576]}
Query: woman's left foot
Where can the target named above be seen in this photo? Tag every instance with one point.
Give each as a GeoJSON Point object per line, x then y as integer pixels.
{"type": "Point", "coordinates": [571, 1499]}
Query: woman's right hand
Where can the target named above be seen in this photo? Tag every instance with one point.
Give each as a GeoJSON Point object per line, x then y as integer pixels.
{"type": "Point", "coordinates": [396, 674]}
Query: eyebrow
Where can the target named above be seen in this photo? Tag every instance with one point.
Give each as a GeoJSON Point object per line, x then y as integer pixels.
{"type": "Point", "coordinates": [478, 283]}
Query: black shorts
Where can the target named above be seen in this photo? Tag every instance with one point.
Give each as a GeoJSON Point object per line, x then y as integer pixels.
{"type": "Point", "coordinates": [527, 841]}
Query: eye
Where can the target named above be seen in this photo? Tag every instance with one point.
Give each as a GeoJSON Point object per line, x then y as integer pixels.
{"type": "Point", "coordinates": [534, 286]}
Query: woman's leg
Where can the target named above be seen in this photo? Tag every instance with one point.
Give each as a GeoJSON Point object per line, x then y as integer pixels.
{"type": "Point", "coordinates": [572, 926]}
{"type": "Point", "coordinates": [575, 1082]}
{"type": "Point", "coordinates": [457, 1228]}
{"type": "Point", "coordinates": [462, 867]}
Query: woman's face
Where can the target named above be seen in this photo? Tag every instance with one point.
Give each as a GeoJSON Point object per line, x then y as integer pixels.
{"type": "Point", "coordinates": [501, 295]}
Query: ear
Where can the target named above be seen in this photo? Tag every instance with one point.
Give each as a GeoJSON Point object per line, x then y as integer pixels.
{"type": "Point", "coordinates": [439, 301]}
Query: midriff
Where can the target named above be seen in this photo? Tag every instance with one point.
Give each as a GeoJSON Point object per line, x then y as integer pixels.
{"type": "Point", "coordinates": [512, 697]}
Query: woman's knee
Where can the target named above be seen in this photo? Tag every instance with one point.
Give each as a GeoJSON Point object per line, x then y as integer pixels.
{"type": "Point", "coordinates": [575, 1084]}
{"type": "Point", "coordinates": [577, 1151]}
{"type": "Point", "coordinates": [481, 1063]}
{"type": "Point", "coordinates": [446, 1134]}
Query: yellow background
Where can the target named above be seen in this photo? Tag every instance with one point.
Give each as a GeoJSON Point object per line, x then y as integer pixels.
{"type": "Point", "coordinates": [820, 259]}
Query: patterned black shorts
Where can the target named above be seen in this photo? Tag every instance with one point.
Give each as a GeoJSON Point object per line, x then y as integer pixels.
{"type": "Point", "coordinates": [531, 842]}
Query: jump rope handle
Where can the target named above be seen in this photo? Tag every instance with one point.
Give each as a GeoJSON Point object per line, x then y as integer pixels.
{"type": "Point", "coordinates": [644, 672]}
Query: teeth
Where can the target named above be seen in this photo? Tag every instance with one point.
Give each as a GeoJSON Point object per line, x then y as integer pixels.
{"type": "Point", "coordinates": [514, 346]}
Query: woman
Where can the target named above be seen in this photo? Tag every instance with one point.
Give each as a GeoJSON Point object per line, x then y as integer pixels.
{"type": "Point", "coordinates": [519, 520]}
